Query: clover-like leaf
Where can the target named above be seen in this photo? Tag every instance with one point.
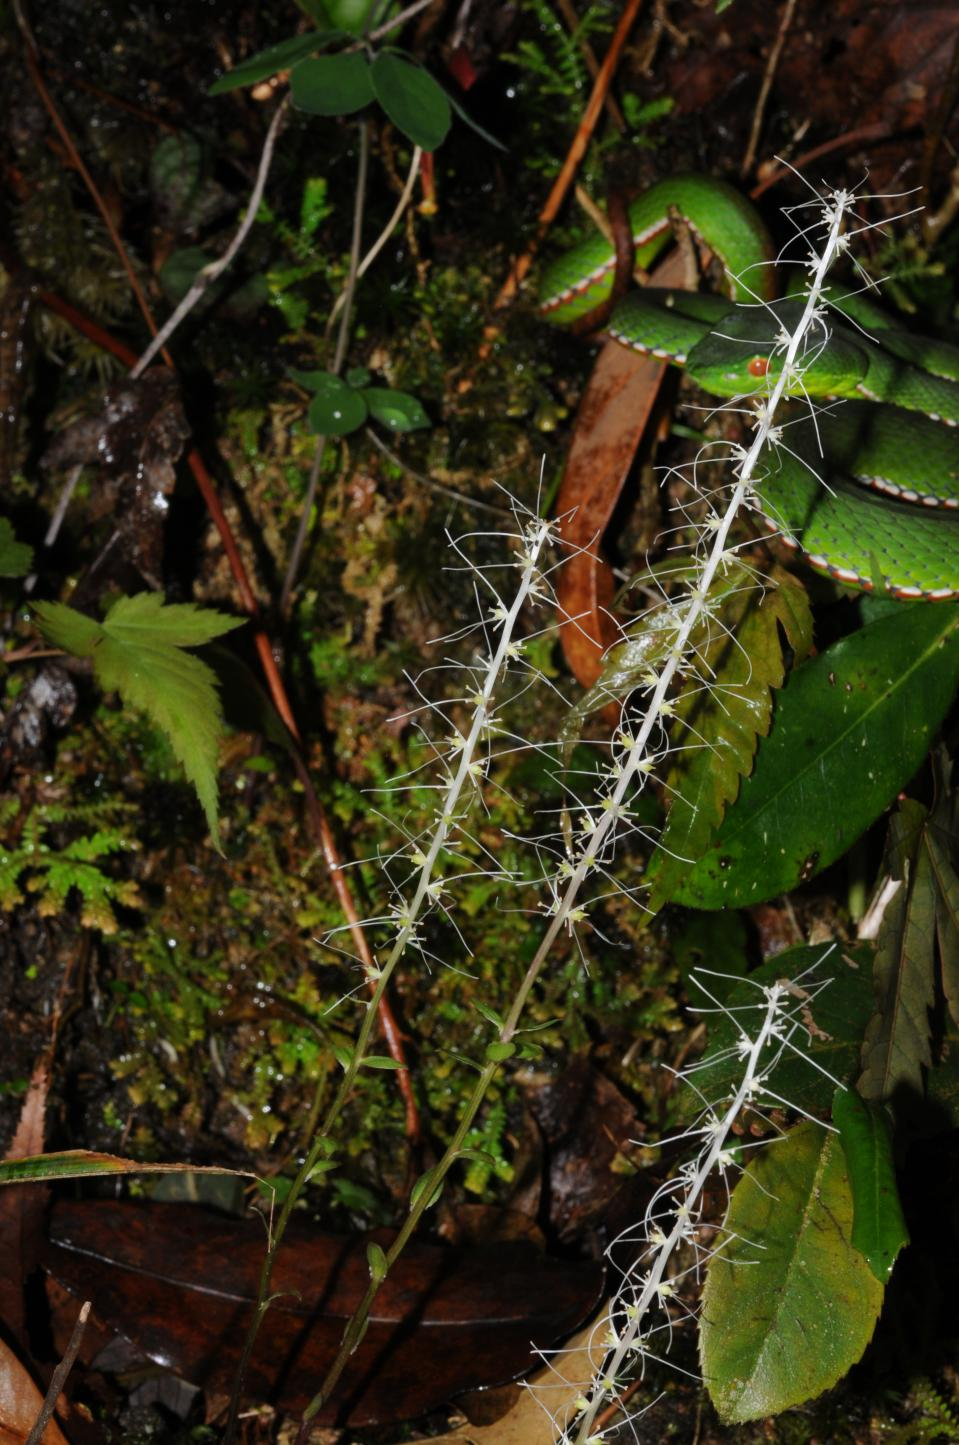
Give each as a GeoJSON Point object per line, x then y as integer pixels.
{"type": "Point", "coordinates": [336, 409]}
{"type": "Point", "coordinates": [333, 84]}
{"type": "Point", "coordinates": [412, 99]}
{"type": "Point", "coordinates": [138, 651]}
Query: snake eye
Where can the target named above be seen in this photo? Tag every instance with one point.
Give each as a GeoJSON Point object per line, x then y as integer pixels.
{"type": "Point", "coordinates": [758, 366]}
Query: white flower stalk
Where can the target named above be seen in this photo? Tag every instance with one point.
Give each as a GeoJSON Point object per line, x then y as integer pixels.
{"type": "Point", "coordinates": [633, 763]}
{"type": "Point", "coordinates": [467, 748]}
{"type": "Point", "coordinates": [626, 1326]}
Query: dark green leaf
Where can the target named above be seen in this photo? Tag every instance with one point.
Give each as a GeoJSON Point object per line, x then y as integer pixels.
{"type": "Point", "coordinates": [358, 376]}
{"type": "Point", "coordinates": [333, 84]}
{"type": "Point", "coordinates": [789, 1304]}
{"type": "Point", "coordinates": [336, 409]}
{"type": "Point", "coordinates": [268, 62]}
{"type": "Point", "coordinates": [397, 410]}
{"type": "Point", "coordinates": [16, 558]}
{"type": "Point", "coordinates": [878, 1226]}
{"type": "Point", "coordinates": [412, 99]}
{"type": "Point", "coordinates": [896, 1045]}
{"type": "Point", "coordinates": [834, 1022]}
{"type": "Point", "coordinates": [850, 728]}
{"type": "Point", "coordinates": [137, 651]}
{"type": "Point", "coordinates": [246, 706]}
{"type": "Point", "coordinates": [719, 726]}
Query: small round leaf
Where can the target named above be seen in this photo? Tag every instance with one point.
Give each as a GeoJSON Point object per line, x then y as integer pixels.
{"type": "Point", "coordinates": [397, 410]}
{"type": "Point", "coordinates": [332, 84]}
{"type": "Point", "coordinates": [497, 1053]}
{"type": "Point", "coordinates": [412, 99]}
{"type": "Point", "coordinates": [336, 409]}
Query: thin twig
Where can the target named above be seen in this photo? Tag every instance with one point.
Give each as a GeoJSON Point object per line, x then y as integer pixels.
{"type": "Point", "coordinates": [877, 132]}
{"type": "Point", "coordinates": [59, 1378]}
{"type": "Point", "coordinates": [208, 274]}
{"type": "Point", "coordinates": [571, 164]}
{"type": "Point", "coordinates": [289, 581]}
{"type": "Point", "coordinates": [385, 234]}
{"type": "Point", "coordinates": [501, 512]}
{"type": "Point", "coordinates": [395, 24]}
{"type": "Point", "coordinates": [574, 25]}
{"type": "Point", "coordinates": [771, 64]}
{"type": "Point", "coordinates": [33, 65]}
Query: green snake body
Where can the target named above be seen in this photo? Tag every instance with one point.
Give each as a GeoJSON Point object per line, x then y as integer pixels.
{"type": "Point", "coordinates": [868, 493]}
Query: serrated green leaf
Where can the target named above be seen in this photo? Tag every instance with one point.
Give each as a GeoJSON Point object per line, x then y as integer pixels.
{"type": "Point", "coordinates": [336, 409]}
{"type": "Point", "coordinates": [896, 1045]}
{"type": "Point", "coordinates": [412, 99]}
{"type": "Point", "coordinates": [847, 735]}
{"type": "Point", "coordinates": [272, 60]}
{"type": "Point", "coordinates": [137, 651]}
{"type": "Point", "coordinates": [719, 725]}
{"type": "Point", "coordinates": [878, 1227]}
{"type": "Point", "coordinates": [377, 1261]}
{"type": "Point", "coordinates": [789, 1304]}
{"type": "Point", "coordinates": [397, 410]}
{"type": "Point", "coordinates": [16, 558]}
{"type": "Point", "coordinates": [333, 84]}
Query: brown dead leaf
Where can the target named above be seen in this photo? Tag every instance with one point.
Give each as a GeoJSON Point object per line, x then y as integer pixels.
{"type": "Point", "coordinates": [549, 1396]}
{"type": "Point", "coordinates": [20, 1402]}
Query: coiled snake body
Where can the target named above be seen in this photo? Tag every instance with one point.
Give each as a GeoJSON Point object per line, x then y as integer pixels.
{"type": "Point", "coordinates": [868, 488]}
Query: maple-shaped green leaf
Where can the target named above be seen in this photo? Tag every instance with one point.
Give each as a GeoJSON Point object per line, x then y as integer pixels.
{"type": "Point", "coordinates": [718, 725]}
{"type": "Point", "coordinates": [895, 1048]}
{"type": "Point", "coordinates": [138, 652]}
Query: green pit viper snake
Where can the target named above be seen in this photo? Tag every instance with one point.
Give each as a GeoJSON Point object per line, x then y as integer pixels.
{"type": "Point", "coordinates": [887, 518]}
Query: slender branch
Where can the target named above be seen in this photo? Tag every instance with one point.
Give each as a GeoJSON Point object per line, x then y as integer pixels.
{"type": "Point", "coordinates": [385, 234]}
{"type": "Point", "coordinates": [768, 75]}
{"type": "Point", "coordinates": [293, 567]}
{"type": "Point", "coordinates": [33, 65]}
{"type": "Point", "coordinates": [208, 274]}
{"type": "Point", "coordinates": [574, 156]}
{"type": "Point", "coordinates": [59, 1377]}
